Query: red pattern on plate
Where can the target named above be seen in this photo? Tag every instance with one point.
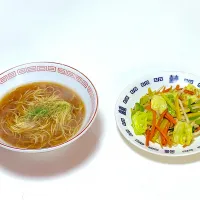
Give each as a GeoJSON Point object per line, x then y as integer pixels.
{"type": "Point", "coordinates": [51, 69]}
{"type": "Point", "coordinates": [41, 68]}
{"type": "Point", "coordinates": [81, 81]}
{"type": "Point", "coordinates": [21, 71]}
{"type": "Point", "coordinates": [61, 71]}
{"type": "Point", "coordinates": [11, 75]}
{"type": "Point", "coordinates": [66, 72]}
{"type": "Point", "coordinates": [3, 79]}
{"type": "Point", "coordinates": [74, 76]}
{"type": "Point", "coordinates": [70, 74]}
{"type": "Point", "coordinates": [31, 69]}
{"type": "Point", "coordinates": [91, 93]}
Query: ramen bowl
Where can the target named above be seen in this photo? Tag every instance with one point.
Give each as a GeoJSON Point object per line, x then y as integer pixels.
{"type": "Point", "coordinates": [52, 72]}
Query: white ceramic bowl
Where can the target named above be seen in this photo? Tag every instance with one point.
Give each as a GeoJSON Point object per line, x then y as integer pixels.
{"type": "Point", "coordinates": [52, 72]}
{"type": "Point", "coordinates": [132, 94]}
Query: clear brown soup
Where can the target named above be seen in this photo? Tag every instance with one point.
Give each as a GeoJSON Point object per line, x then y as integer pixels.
{"type": "Point", "coordinates": [31, 119]}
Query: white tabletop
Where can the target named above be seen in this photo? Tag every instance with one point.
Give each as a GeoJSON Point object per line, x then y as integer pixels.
{"type": "Point", "coordinates": [112, 42]}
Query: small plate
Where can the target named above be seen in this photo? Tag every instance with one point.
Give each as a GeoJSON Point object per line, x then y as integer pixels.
{"type": "Point", "coordinates": [132, 94]}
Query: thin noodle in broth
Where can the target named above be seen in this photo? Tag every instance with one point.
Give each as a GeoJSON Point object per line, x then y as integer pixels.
{"type": "Point", "coordinates": [40, 115]}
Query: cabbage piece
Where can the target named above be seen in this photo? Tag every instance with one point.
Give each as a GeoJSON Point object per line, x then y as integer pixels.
{"type": "Point", "coordinates": [139, 122]}
{"type": "Point", "coordinates": [145, 99]}
{"type": "Point", "coordinates": [171, 96]}
{"type": "Point", "coordinates": [151, 93]}
{"type": "Point", "coordinates": [158, 104]}
{"type": "Point", "coordinates": [192, 88]}
{"type": "Point", "coordinates": [193, 98]}
{"type": "Point", "coordinates": [137, 107]}
{"type": "Point", "coordinates": [186, 97]}
{"type": "Point", "coordinates": [183, 133]}
{"type": "Point", "coordinates": [190, 107]}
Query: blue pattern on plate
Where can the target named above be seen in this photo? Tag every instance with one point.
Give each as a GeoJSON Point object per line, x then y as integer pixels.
{"type": "Point", "coordinates": [169, 151]}
{"type": "Point", "coordinates": [122, 110]}
{"type": "Point", "coordinates": [188, 80]}
{"type": "Point", "coordinates": [123, 121]}
{"type": "Point", "coordinates": [145, 83]}
{"type": "Point", "coordinates": [187, 150]}
{"type": "Point", "coordinates": [126, 98]}
{"type": "Point", "coordinates": [158, 79]}
{"type": "Point", "coordinates": [173, 78]}
{"type": "Point", "coordinates": [152, 148]}
{"type": "Point", "coordinates": [138, 141]}
{"type": "Point", "coordinates": [134, 90]}
{"type": "Point", "coordinates": [129, 132]}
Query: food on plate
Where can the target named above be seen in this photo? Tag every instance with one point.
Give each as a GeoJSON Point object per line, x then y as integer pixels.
{"type": "Point", "coordinates": [168, 116]}
{"type": "Point", "coordinates": [40, 115]}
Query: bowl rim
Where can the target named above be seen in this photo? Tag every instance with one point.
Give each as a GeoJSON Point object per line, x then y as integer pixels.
{"type": "Point", "coordinates": [73, 138]}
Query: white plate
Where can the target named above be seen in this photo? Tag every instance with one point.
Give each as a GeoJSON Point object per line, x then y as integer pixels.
{"type": "Point", "coordinates": [132, 94]}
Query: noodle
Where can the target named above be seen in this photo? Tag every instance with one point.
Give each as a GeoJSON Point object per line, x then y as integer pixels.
{"type": "Point", "coordinates": [40, 115]}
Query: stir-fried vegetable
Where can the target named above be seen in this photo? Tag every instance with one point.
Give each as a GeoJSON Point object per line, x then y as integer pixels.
{"type": "Point", "coordinates": [168, 116]}
{"type": "Point", "coordinates": [158, 104]}
{"type": "Point", "coordinates": [139, 122]}
{"type": "Point", "coordinates": [183, 133]}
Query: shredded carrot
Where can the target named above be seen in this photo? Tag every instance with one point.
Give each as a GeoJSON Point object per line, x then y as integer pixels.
{"type": "Point", "coordinates": [163, 141]}
{"type": "Point", "coordinates": [161, 131]}
{"type": "Point", "coordinates": [161, 117]}
{"type": "Point", "coordinates": [166, 90]}
{"type": "Point", "coordinates": [170, 118]}
{"type": "Point", "coordinates": [188, 92]}
{"type": "Point", "coordinates": [153, 124]}
{"type": "Point", "coordinates": [177, 87]}
{"type": "Point", "coordinates": [148, 107]}
{"type": "Point", "coordinates": [197, 129]}
{"type": "Point", "coordinates": [158, 124]}
{"type": "Point", "coordinates": [166, 128]}
{"type": "Point", "coordinates": [164, 136]}
{"type": "Point", "coordinates": [165, 131]}
{"type": "Point", "coordinates": [181, 98]}
{"type": "Point", "coordinates": [148, 133]}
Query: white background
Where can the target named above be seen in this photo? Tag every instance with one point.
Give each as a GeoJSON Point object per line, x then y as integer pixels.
{"type": "Point", "coordinates": [112, 42]}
